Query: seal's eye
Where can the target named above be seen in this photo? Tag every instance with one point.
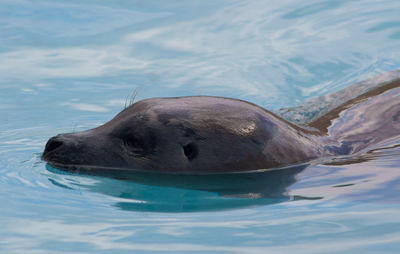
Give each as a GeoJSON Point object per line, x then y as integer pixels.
{"type": "Point", "coordinates": [190, 151]}
{"type": "Point", "coordinates": [134, 145]}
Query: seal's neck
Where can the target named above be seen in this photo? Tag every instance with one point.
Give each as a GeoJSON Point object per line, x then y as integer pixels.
{"type": "Point", "coordinates": [291, 144]}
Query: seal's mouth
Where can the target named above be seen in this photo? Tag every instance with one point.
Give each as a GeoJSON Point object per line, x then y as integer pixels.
{"type": "Point", "coordinates": [67, 166]}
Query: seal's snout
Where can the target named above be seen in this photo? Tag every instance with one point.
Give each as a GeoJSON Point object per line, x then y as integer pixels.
{"type": "Point", "coordinates": [56, 144]}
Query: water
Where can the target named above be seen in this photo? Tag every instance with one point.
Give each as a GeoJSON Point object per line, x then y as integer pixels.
{"type": "Point", "coordinates": [68, 65]}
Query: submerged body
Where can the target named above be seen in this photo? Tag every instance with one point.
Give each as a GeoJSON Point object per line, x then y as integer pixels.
{"type": "Point", "coordinates": [202, 134]}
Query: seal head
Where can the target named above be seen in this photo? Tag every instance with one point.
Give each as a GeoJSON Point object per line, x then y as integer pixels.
{"type": "Point", "coordinates": [195, 134]}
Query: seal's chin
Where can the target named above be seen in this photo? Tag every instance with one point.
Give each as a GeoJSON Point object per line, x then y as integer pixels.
{"type": "Point", "coordinates": [67, 167]}
{"type": "Point", "coordinates": [54, 161]}
{"type": "Point", "coordinates": [81, 167]}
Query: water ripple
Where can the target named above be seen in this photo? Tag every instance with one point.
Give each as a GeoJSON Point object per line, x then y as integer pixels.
{"type": "Point", "coordinates": [70, 66]}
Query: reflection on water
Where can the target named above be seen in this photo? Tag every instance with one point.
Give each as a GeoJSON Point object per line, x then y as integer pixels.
{"type": "Point", "coordinates": [141, 191]}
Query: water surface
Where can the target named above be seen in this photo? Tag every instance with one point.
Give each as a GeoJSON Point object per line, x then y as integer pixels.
{"type": "Point", "coordinates": [71, 65]}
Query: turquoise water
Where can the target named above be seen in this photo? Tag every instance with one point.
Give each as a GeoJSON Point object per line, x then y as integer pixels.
{"type": "Point", "coordinates": [71, 65]}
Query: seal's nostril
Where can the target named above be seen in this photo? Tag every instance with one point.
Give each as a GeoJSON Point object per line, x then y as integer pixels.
{"type": "Point", "coordinates": [52, 145]}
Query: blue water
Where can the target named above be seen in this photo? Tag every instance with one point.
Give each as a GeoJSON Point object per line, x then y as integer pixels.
{"type": "Point", "coordinates": [71, 65]}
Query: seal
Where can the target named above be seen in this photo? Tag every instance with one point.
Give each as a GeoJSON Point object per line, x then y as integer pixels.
{"type": "Point", "coordinates": [205, 134]}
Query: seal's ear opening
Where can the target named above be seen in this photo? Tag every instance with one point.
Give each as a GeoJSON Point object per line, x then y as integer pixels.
{"type": "Point", "coordinates": [190, 151]}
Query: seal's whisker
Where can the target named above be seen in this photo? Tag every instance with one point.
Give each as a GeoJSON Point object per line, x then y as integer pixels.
{"type": "Point", "coordinates": [132, 99]}
{"type": "Point", "coordinates": [126, 102]}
